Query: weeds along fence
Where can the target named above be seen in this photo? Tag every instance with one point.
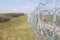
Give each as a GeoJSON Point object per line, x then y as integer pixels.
{"type": "Point", "coordinates": [45, 21]}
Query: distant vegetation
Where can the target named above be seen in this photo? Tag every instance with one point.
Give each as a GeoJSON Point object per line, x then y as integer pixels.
{"type": "Point", "coordinates": [1, 14]}
{"type": "Point", "coordinates": [4, 19]}
{"type": "Point", "coordinates": [14, 14]}
{"type": "Point", "coordinates": [9, 16]}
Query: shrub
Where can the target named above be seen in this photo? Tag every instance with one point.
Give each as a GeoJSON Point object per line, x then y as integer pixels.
{"type": "Point", "coordinates": [21, 14]}
{"type": "Point", "coordinates": [14, 14]}
{"type": "Point", "coordinates": [4, 19]}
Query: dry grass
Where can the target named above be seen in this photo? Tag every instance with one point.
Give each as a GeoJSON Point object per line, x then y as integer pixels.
{"type": "Point", "coordinates": [16, 29]}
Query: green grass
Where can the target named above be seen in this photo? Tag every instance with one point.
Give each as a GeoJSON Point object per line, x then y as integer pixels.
{"type": "Point", "coordinates": [16, 29]}
{"type": "Point", "coordinates": [1, 14]}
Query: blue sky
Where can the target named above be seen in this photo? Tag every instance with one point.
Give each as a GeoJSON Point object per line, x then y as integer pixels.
{"type": "Point", "coordinates": [19, 5]}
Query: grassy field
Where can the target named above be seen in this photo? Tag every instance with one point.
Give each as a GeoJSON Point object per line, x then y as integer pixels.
{"type": "Point", "coordinates": [16, 29]}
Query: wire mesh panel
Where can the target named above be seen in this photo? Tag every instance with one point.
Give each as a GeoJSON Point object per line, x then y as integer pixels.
{"type": "Point", "coordinates": [44, 20]}
{"type": "Point", "coordinates": [58, 16]}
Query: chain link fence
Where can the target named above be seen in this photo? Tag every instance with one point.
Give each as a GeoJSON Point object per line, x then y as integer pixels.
{"type": "Point", "coordinates": [45, 22]}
